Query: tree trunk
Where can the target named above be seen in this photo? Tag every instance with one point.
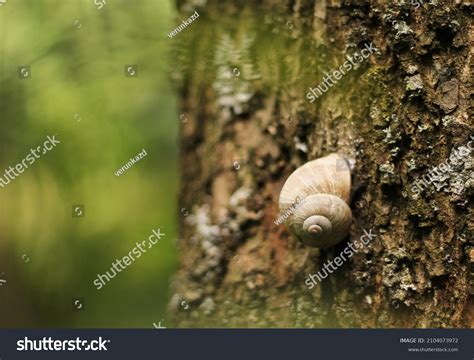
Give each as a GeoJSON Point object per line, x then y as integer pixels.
{"type": "Point", "coordinates": [244, 74]}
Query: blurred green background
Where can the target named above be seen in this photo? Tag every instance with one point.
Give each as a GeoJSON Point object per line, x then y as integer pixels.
{"type": "Point", "coordinates": [77, 52]}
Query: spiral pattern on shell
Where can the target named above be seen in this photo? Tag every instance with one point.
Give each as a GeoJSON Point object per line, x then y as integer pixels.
{"type": "Point", "coordinates": [317, 196]}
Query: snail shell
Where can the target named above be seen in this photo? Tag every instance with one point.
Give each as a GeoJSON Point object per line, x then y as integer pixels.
{"type": "Point", "coordinates": [316, 197]}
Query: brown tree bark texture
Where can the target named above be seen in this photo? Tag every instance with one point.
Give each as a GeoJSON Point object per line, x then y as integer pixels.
{"type": "Point", "coordinates": [243, 71]}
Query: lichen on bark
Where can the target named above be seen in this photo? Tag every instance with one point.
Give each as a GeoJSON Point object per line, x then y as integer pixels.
{"type": "Point", "coordinates": [243, 73]}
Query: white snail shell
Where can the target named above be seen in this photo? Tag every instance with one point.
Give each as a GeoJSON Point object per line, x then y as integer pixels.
{"type": "Point", "coordinates": [315, 197]}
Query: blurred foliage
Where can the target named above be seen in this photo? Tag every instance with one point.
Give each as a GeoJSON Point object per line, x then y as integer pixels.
{"type": "Point", "coordinates": [77, 54]}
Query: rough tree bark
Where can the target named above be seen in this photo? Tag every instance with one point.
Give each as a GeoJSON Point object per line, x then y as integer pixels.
{"type": "Point", "coordinates": [243, 72]}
